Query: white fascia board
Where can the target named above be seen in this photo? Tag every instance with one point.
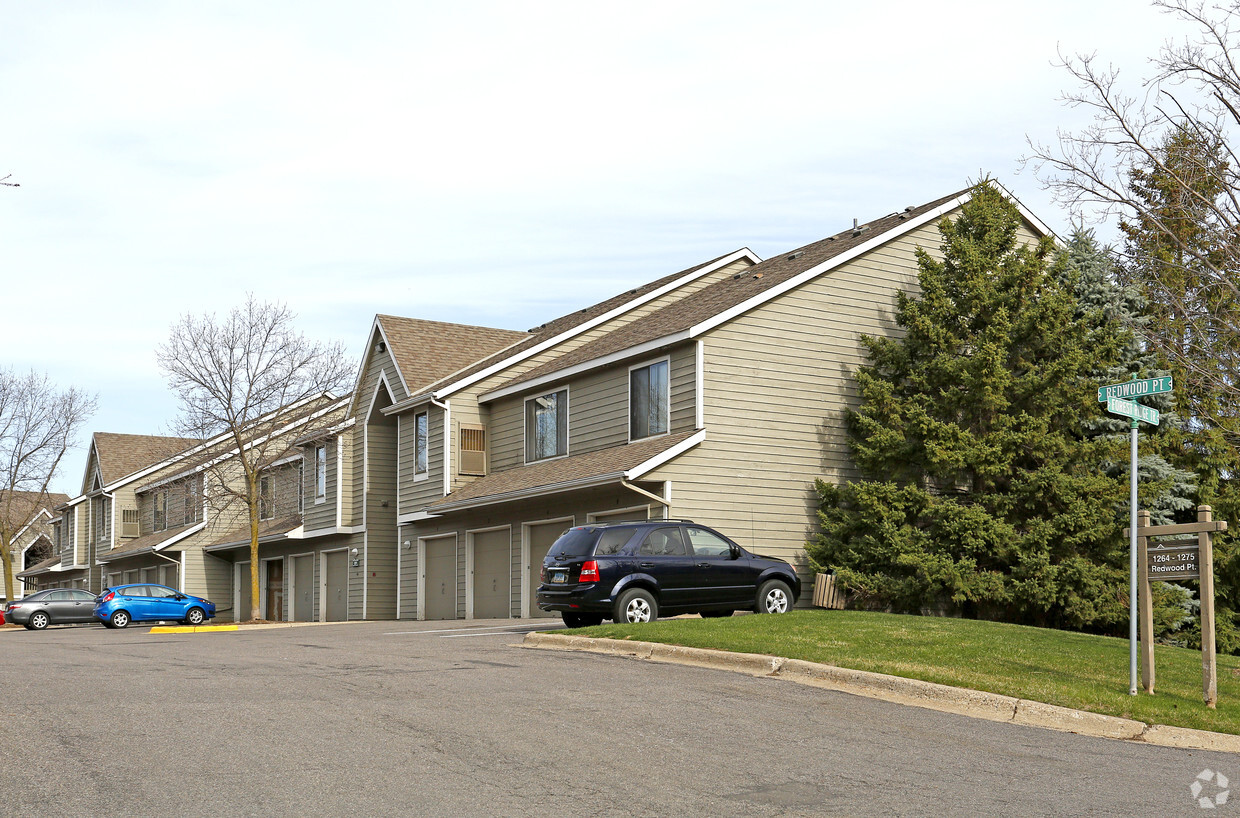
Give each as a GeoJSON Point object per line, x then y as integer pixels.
{"type": "Point", "coordinates": [297, 533]}
{"type": "Point", "coordinates": [414, 517]}
{"type": "Point", "coordinates": [154, 548]}
{"type": "Point", "coordinates": [1026, 212]}
{"type": "Point", "coordinates": [410, 405]}
{"type": "Point", "coordinates": [744, 252]}
{"type": "Point", "coordinates": [370, 348]}
{"type": "Point", "coordinates": [42, 510]}
{"type": "Point", "coordinates": [585, 366]}
{"type": "Point", "coordinates": [662, 457]}
{"type": "Point", "coordinates": [828, 265]}
{"type": "Point", "coordinates": [327, 532]}
{"type": "Point", "coordinates": [258, 441]}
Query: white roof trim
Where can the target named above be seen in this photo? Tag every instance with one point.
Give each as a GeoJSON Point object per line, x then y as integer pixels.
{"type": "Point", "coordinates": [662, 457]}
{"type": "Point", "coordinates": [744, 252]}
{"type": "Point", "coordinates": [370, 350]}
{"type": "Point", "coordinates": [414, 517]}
{"type": "Point", "coordinates": [585, 366]}
{"type": "Point", "coordinates": [835, 261]}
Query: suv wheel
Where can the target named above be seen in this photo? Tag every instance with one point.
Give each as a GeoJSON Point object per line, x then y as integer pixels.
{"type": "Point", "coordinates": [636, 605]}
{"type": "Point", "coordinates": [774, 597]}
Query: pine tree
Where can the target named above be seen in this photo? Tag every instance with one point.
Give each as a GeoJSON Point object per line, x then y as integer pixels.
{"type": "Point", "coordinates": [981, 493]}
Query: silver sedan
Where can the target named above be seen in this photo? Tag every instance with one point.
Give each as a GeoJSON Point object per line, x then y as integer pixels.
{"type": "Point", "coordinates": [55, 606]}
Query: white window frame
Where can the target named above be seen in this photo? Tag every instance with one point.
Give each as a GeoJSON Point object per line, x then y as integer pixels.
{"type": "Point", "coordinates": [320, 474]}
{"type": "Point", "coordinates": [628, 390]}
{"type": "Point", "coordinates": [525, 426]}
{"type": "Point", "coordinates": [424, 472]}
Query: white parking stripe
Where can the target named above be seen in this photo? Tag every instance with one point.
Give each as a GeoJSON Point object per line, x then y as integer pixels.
{"type": "Point", "coordinates": [455, 630]}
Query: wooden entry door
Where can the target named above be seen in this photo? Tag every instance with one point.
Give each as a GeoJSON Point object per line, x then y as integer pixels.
{"type": "Point", "coordinates": [275, 591]}
{"type": "Point", "coordinates": [303, 588]}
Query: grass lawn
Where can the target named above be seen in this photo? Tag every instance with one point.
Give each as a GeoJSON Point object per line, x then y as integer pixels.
{"type": "Point", "coordinates": [1056, 667]}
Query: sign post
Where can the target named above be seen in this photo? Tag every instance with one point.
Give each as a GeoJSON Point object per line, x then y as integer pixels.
{"type": "Point", "coordinates": [1115, 397]}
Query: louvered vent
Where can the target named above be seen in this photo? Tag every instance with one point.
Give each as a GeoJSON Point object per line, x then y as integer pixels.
{"type": "Point", "coordinates": [473, 449]}
{"type": "Point", "coordinates": [129, 522]}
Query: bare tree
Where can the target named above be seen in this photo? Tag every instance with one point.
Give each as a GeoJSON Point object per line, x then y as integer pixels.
{"type": "Point", "coordinates": [38, 424]}
{"type": "Point", "coordinates": [250, 384]}
{"type": "Point", "coordinates": [1131, 163]}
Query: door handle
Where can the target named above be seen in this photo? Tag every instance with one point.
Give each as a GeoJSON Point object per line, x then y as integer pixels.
{"type": "Point", "coordinates": [646, 565]}
{"type": "Point", "coordinates": [703, 565]}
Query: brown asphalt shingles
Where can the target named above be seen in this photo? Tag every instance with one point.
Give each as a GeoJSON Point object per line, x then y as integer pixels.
{"type": "Point", "coordinates": [146, 541]}
{"type": "Point", "coordinates": [428, 351]}
{"type": "Point", "coordinates": [122, 455]}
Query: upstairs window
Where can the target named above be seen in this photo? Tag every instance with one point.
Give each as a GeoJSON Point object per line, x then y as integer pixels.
{"type": "Point", "coordinates": [421, 431]}
{"type": "Point", "coordinates": [159, 507]}
{"type": "Point", "coordinates": [648, 400]}
{"type": "Point", "coordinates": [266, 498]}
{"type": "Point", "coordinates": [546, 426]}
{"type": "Point", "coordinates": [193, 504]}
{"type": "Point", "coordinates": [301, 486]}
{"type": "Point", "coordinates": [320, 474]}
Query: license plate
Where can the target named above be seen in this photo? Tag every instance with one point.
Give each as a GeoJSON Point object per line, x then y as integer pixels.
{"type": "Point", "coordinates": [559, 576]}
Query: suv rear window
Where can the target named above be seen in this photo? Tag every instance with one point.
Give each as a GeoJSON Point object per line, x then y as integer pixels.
{"type": "Point", "coordinates": [576, 542]}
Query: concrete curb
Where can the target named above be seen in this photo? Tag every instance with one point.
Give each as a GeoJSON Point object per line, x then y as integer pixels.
{"type": "Point", "coordinates": [897, 689]}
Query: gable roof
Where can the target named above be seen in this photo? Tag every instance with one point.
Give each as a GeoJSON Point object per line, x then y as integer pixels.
{"type": "Point", "coordinates": [426, 352]}
{"type": "Point", "coordinates": [548, 333]}
{"type": "Point", "coordinates": [122, 455]}
{"type": "Point", "coordinates": [730, 293]}
{"type": "Point", "coordinates": [26, 506]}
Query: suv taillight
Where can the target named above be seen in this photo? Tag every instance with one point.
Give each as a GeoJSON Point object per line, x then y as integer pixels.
{"type": "Point", "coordinates": [108, 598]}
{"type": "Point", "coordinates": [589, 571]}
{"type": "Point", "coordinates": [542, 574]}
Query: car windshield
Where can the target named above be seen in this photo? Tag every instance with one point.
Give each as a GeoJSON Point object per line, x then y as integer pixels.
{"type": "Point", "coordinates": [575, 542]}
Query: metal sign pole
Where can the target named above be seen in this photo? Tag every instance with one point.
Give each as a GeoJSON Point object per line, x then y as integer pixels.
{"type": "Point", "coordinates": [1132, 568]}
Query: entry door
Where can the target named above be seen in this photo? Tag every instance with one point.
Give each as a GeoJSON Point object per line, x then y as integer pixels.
{"type": "Point", "coordinates": [244, 608]}
{"type": "Point", "coordinates": [492, 572]}
{"type": "Point", "coordinates": [440, 589]}
{"type": "Point", "coordinates": [303, 588]}
{"type": "Point", "coordinates": [541, 539]}
{"type": "Point", "coordinates": [275, 591]}
{"type": "Point", "coordinates": [336, 586]}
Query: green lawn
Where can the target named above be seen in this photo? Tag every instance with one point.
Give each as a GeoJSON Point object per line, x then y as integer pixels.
{"type": "Point", "coordinates": [1057, 667]}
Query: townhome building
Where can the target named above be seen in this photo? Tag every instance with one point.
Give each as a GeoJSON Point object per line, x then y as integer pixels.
{"type": "Point", "coordinates": [716, 394]}
{"type": "Point", "coordinates": [32, 542]}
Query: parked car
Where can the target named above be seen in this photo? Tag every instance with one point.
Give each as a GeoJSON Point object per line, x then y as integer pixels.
{"type": "Point", "coordinates": [54, 606]}
{"type": "Point", "coordinates": [117, 607]}
{"type": "Point", "coordinates": [635, 571]}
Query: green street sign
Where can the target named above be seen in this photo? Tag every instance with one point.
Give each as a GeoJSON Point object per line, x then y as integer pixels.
{"type": "Point", "coordinates": [1134, 389]}
{"type": "Point", "coordinates": [1145, 414]}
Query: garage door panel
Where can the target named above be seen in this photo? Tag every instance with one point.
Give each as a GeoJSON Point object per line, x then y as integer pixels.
{"type": "Point", "coordinates": [542, 537]}
{"type": "Point", "coordinates": [492, 572]}
{"type": "Point", "coordinates": [440, 590]}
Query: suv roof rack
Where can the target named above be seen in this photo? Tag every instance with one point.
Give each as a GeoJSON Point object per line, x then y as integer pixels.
{"type": "Point", "coordinates": [643, 522]}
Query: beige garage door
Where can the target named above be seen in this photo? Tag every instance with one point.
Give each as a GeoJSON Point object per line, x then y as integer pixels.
{"type": "Point", "coordinates": [630, 515]}
{"type": "Point", "coordinates": [335, 601]}
{"type": "Point", "coordinates": [541, 538]}
{"type": "Point", "coordinates": [440, 586]}
{"type": "Point", "coordinates": [303, 588]}
{"type": "Point", "coordinates": [492, 572]}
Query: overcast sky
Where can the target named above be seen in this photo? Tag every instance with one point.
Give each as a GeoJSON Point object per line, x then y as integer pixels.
{"type": "Point", "coordinates": [485, 163]}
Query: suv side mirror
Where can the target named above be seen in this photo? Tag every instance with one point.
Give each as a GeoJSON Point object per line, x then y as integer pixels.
{"type": "Point", "coordinates": [734, 552]}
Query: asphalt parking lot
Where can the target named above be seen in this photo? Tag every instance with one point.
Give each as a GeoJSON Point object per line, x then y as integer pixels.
{"type": "Point", "coordinates": [425, 718]}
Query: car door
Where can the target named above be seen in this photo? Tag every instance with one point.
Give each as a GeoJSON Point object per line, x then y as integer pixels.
{"type": "Point", "coordinates": [137, 600]}
{"type": "Point", "coordinates": [664, 556]}
{"type": "Point", "coordinates": [81, 608]}
{"type": "Point", "coordinates": [723, 575]}
{"type": "Point", "coordinates": [58, 605]}
{"type": "Point", "coordinates": [165, 603]}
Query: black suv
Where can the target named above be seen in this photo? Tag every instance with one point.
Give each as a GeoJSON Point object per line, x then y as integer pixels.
{"type": "Point", "coordinates": [632, 572]}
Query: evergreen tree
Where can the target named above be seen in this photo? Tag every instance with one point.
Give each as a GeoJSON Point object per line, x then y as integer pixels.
{"type": "Point", "coordinates": [981, 492]}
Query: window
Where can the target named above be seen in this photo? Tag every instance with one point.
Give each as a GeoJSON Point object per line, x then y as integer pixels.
{"type": "Point", "coordinates": [320, 473]}
{"type": "Point", "coordinates": [546, 426]}
{"type": "Point", "coordinates": [707, 543]}
{"type": "Point", "coordinates": [160, 511]}
{"type": "Point", "coordinates": [192, 504]}
{"type": "Point", "coordinates": [612, 540]}
{"type": "Point", "coordinates": [664, 542]}
{"type": "Point", "coordinates": [648, 403]}
{"type": "Point", "coordinates": [266, 498]}
{"type": "Point", "coordinates": [103, 514]}
{"type": "Point", "coordinates": [420, 431]}
{"type": "Point", "coordinates": [301, 486]}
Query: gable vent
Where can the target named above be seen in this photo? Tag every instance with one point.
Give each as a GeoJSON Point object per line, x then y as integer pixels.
{"type": "Point", "coordinates": [473, 449]}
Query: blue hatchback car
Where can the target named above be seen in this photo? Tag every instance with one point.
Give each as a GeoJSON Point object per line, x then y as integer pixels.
{"type": "Point", "coordinates": [117, 607]}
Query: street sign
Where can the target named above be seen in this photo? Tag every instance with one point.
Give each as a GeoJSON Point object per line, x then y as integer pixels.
{"type": "Point", "coordinates": [1173, 559]}
{"type": "Point", "coordinates": [1136, 411]}
{"type": "Point", "coordinates": [1134, 389]}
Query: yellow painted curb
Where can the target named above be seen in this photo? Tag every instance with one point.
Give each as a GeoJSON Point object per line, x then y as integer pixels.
{"type": "Point", "coordinates": [192, 628]}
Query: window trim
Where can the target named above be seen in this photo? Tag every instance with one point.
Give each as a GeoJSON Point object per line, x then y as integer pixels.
{"type": "Point", "coordinates": [159, 509]}
{"type": "Point", "coordinates": [320, 473]}
{"type": "Point", "coordinates": [425, 472]}
{"type": "Point", "coordinates": [272, 496]}
{"type": "Point", "coordinates": [525, 430]}
{"type": "Point", "coordinates": [628, 390]}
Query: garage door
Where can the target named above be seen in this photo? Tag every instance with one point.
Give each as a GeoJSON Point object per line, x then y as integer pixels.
{"type": "Point", "coordinates": [492, 570]}
{"type": "Point", "coordinates": [630, 515]}
{"type": "Point", "coordinates": [335, 586]}
{"type": "Point", "coordinates": [303, 588]}
{"type": "Point", "coordinates": [541, 537]}
{"type": "Point", "coordinates": [440, 588]}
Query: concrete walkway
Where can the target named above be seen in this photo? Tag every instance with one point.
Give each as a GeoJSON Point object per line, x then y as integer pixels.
{"type": "Point", "coordinates": [965, 702]}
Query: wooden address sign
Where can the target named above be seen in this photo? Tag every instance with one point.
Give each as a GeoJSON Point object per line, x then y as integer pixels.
{"type": "Point", "coordinates": [1173, 559]}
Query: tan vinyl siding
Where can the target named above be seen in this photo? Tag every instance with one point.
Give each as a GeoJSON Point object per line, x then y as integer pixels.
{"type": "Point", "coordinates": [378, 362]}
{"type": "Point", "coordinates": [319, 515]}
{"type": "Point", "coordinates": [777, 383]}
{"type": "Point", "coordinates": [379, 559]}
{"type": "Point", "coordinates": [407, 560]}
{"type": "Point", "coordinates": [682, 388]}
{"type": "Point", "coordinates": [415, 492]}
